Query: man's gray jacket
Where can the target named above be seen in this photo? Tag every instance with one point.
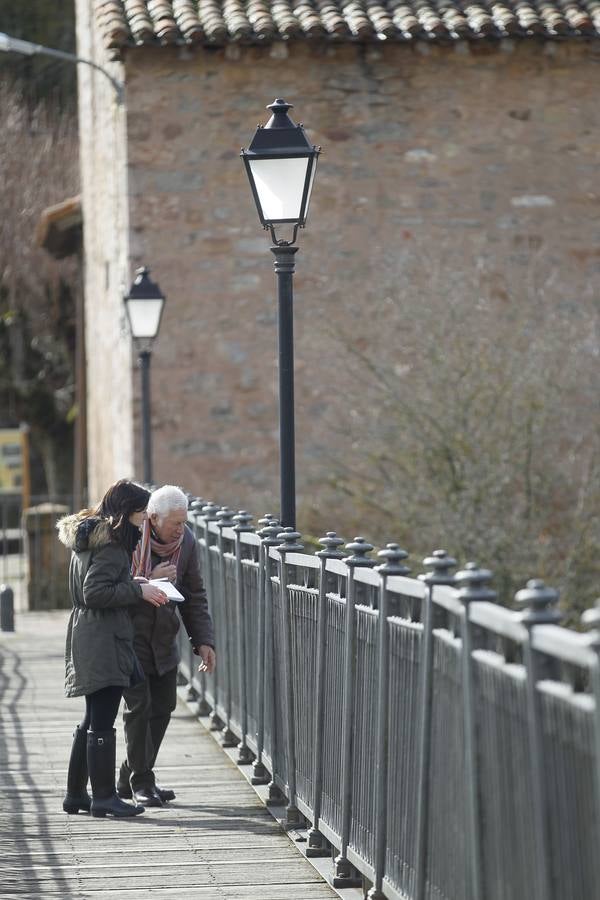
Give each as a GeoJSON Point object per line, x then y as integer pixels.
{"type": "Point", "coordinates": [156, 627]}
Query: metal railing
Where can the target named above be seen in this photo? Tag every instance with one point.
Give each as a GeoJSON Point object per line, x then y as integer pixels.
{"type": "Point", "coordinates": [438, 745]}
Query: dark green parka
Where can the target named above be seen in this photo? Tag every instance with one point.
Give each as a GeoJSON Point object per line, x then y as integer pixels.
{"type": "Point", "coordinates": [99, 649]}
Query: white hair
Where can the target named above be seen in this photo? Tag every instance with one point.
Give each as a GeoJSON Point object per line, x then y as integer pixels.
{"type": "Point", "coordinates": [165, 500]}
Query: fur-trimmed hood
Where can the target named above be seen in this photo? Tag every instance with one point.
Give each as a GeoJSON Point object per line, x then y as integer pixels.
{"type": "Point", "coordinates": [82, 531]}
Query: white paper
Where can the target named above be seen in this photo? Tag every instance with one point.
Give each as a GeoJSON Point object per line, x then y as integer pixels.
{"type": "Point", "coordinates": [167, 588]}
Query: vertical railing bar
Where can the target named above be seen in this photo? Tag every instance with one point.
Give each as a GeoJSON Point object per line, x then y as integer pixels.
{"type": "Point", "coordinates": [192, 694]}
{"type": "Point", "coordinates": [275, 797]}
{"type": "Point", "coordinates": [317, 845]}
{"type": "Point", "coordinates": [539, 603]}
{"type": "Point", "coordinates": [225, 520]}
{"type": "Point", "coordinates": [268, 535]}
{"type": "Point", "coordinates": [344, 872]}
{"type": "Point", "coordinates": [391, 556]}
{"type": "Point", "coordinates": [289, 544]}
{"type": "Point", "coordinates": [204, 707]}
{"type": "Point", "coordinates": [471, 587]}
{"type": "Point", "coordinates": [591, 621]}
{"type": "Point", "coordinates": [209, 514]}
{"type": "Point", "coordinates": [439, 564]}
{"type": "Point", "coordinates": [242, 520]}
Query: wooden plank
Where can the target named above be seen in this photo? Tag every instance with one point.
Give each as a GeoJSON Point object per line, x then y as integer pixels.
{"type": "Point", "coordinates": [302, 891]}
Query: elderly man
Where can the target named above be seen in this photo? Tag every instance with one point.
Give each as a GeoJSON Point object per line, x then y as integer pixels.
{"type": "Point", "coordinates": [167, 549]}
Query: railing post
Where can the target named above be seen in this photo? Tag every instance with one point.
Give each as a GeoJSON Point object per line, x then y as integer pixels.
{"type": "Point", "coordinates": [289, 544]}
{"type": "Point", "coordinates": [195, 505]}
{"type": "Point", "coordinates": [392, 557]}
{"type": "Point", "coordinates": [225, 520]}
{"type": "Point", "coordinates": [317, 846]}
{"type": "Point", "coordinates": [344, 873]}
{"type": "Point", "coordinates": [268, 535]}
{"type": "Point", "coordinates": [471, 587]}
{"type": "Point", "coordinates": [209, 514]}
{"type": "Point", "coordinates": [539, 605]}
{"type": "Point", "coordinates": [439, 564]}
{"type": "Point", "coordinates": [191, 693]}
{"type": "Point", "coordinates": [7, 608]}
{"type": "Point", "coordinates": [591, 621]}
{"type": "Point", "coordinates": [242, 525]}
{"type": "Point", "coordinates": [275, 797]}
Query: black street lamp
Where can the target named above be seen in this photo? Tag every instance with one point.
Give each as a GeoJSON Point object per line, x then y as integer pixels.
{"type": "Point", "coordinates": [280, 164]}
{"type": "Point", "coordinates": [144, 304]}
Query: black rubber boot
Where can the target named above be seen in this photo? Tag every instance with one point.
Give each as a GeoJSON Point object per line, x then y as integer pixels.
{"type": "Point", "coordinates": [77, 797]}
{"type": "Point", "coordinates": [101, 755]}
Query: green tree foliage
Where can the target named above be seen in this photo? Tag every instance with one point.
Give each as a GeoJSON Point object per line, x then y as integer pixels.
{"type": "Point", "coordinates": [38, 153]}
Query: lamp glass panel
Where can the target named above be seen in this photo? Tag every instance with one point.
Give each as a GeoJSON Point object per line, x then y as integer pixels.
{"type": "Point", "coordinates": [310, 186]}
{"type": "Point", "coordinates": [280, 186]}
{"type": "Point", "coordinates": [144, 317]}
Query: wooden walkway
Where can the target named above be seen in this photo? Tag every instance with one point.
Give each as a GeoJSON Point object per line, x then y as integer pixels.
{"type": "Point", "coordinates": [216, 840]}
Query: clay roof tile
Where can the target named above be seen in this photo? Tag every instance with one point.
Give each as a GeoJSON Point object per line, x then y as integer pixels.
{"type": "Point", "coordinates": [128, 22]}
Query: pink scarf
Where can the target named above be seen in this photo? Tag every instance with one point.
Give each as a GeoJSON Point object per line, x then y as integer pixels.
{"type": "Point", "coordinates": [142, 555]}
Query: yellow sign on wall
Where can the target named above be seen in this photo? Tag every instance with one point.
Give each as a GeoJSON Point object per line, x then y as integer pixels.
{"type": "Point", "coordinates": [12, 462]}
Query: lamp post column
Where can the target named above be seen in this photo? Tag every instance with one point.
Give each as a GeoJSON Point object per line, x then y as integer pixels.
{"type": "Point", "coordinates": [284, 269]}
{"type": "Point", "coordinates": [146, 423]}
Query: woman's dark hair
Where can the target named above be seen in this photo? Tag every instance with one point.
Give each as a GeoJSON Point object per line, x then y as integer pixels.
{"type": "Point", "coordinates": [119, 502]}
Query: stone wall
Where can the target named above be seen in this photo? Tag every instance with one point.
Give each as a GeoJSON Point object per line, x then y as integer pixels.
{"type": "Point", "coordinates": [480, 162]}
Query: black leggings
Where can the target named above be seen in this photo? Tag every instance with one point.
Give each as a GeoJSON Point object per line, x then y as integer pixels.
{"type": "Point", "coordinates": [101, 709]}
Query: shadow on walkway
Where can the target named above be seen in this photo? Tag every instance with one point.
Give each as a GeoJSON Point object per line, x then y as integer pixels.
{"type": "Point", "coordinates": [22, 845]}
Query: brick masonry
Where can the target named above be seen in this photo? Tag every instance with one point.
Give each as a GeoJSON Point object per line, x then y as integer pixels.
{"type": "Point", "coordinates": [490, 150]}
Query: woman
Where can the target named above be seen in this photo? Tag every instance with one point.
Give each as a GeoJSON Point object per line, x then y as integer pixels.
{"type": "Point", "coordinates": [99, 656]}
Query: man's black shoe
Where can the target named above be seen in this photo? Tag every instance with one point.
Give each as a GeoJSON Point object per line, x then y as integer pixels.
{"type": "Point", "coordinates": [165, 793]}
{"type": "Point", "coordinates": [147, 796]}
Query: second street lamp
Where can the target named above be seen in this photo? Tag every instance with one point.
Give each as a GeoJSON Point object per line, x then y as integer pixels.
{"type": "Point", "coordinates": [281, 163]}
{"type": "Point", "coordinates": [144, 304]}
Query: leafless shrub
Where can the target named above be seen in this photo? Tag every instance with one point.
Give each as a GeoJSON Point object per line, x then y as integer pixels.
{"type": "Point", "coordinates": [473, 419]}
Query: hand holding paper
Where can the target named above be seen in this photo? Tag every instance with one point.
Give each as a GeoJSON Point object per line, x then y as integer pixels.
{"type": "Point", "coordinates": [167, 588]}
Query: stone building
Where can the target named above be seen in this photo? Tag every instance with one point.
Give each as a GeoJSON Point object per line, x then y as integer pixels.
{"type": "Point", "coordinates": [473, 126]}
